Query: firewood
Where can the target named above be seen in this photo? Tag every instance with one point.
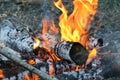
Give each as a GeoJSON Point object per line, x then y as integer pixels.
{"type": "Point", "coordinates": [72, 51]}
{"type": "Point", "coordinates": [6, 51]}
{"type": "Point", "coordinates": [16, 36]}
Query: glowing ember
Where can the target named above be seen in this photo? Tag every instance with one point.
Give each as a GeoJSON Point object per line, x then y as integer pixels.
{"type": "Point", "coordinates": [51, 67]}
{"type": "Point", "coordinates": [31, 61]}
{"type": "Point", "coordinates": [34, 77]}
{"type": "Point", "coordinates": [1, 74]}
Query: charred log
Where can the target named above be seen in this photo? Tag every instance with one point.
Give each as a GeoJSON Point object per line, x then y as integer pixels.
{"type": "Point", "coordinates": [72, 51]}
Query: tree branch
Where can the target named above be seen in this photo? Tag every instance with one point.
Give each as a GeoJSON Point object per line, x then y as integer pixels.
{"type": "Point", "coordinates": [7, 52]}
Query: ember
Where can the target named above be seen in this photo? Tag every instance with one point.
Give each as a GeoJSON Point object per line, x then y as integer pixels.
{"type": "Point", "coordinates": [1, 74]}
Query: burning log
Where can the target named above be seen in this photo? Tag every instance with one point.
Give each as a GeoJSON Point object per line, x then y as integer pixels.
{"type": "Point", "coordinates": [16, 37]}
{"type": "Point", "coordinates": [7, 53]}
{"type": "Point", "coordinates": [72, 51]}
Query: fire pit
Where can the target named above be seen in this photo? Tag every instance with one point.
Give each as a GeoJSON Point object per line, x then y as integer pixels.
{"type": "Point", "coordinates": [53, 49]}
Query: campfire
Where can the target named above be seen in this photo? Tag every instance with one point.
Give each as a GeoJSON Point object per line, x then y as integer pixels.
{"type": "Point", "coordinates": [43, 54]}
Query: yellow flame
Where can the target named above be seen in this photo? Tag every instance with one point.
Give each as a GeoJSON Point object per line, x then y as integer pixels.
{"type": "Point", "coordinates": [36, 44]}
{"type": "Point", "coordinates": [75, 27]}
{"type": "Point", "coordinates": [92, 55]}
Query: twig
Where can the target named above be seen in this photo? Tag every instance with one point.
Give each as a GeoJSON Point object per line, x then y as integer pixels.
{"type": "Point", "coordinates": [6, 51]}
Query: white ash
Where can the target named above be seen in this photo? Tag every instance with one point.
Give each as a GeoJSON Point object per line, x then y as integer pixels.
{"type": "Point", "coordinates": [20, 76]}
{"type": "Point", "coordinates": [95, 43]}
{"type": "Point", "coordinates": [15, 38]}
{"type": "Point", "coordinates": [87, 74]}
{"type": "Point", "coordinates": [93, 72]}
{"type": "Point", "coordinates": [19, 40]}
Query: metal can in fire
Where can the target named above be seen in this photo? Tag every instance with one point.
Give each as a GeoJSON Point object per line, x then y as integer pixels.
{"type": "Point", "coordinates": [72, 51]}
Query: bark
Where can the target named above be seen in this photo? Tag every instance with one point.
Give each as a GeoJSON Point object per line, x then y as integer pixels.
{"type": "Point", "coordinates": [6, 51]}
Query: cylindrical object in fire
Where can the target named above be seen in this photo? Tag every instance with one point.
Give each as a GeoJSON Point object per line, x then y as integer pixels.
{"type": "Point", "coordinates": [72, 51]}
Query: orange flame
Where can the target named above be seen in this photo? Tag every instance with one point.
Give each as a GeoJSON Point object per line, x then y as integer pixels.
{"type": "Point", "coordinates": [48, 33]}
{"type": "Point", "coordinates": [75, 27]}
{"type": "Point", "coordinates": [31, 61]}
{"type": "Point", "coordinates": [92, 55]}
{"type": "Point", "coordinates": [34, 77]}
